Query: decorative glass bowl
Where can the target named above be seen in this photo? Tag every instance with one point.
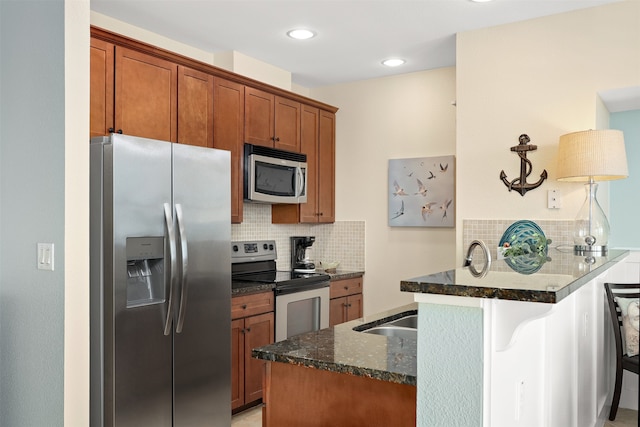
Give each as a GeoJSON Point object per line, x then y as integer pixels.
{"type": "Point", "coordinates": [525, 247]}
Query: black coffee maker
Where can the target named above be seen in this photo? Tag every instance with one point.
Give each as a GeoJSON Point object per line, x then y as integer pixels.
{"type": "Point", "coordinates": [300, 258]}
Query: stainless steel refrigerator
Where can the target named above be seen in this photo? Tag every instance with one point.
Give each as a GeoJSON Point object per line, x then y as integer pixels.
{"type": "Point", "coordinates": [160, 284]}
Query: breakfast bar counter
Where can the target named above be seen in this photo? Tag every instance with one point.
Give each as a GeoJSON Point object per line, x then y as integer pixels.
{"type": "Point", "coordinates": [522, 341]}
{"type": "Point", "coordinates": [554, 278]}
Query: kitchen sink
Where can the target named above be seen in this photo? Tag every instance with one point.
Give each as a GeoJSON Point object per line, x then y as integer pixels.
{"type": "Point", "coordinates": [405, 326]}
{"type": "Point", "coordinates": [410, 321]}
{"type": "Point", "coordinates": [393, 331]}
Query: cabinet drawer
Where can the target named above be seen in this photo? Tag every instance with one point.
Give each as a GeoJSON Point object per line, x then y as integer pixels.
{"type": "Point", "coordinates": [340, 288]}
{"type": "Point", "coordinates": [250, 305]}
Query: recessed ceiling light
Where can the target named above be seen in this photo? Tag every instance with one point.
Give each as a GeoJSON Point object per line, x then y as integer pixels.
{"type": "Point", "coordinates": [393, 62]}
{"type": "Point", "coordinates": [301, 34]}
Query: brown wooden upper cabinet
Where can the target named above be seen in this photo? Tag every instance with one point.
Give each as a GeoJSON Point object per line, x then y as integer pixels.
{"type": "Point", "coordinates": [139, 94]}
{"type": "Point", "coordinates": [142, 90]}
{"type": "Point", "coordinates": [101, 88]}
{"type": "Point", "coordinates": [132, 93]}
{"type": "Point", "coordinates": [145, 95]}
{"type": "Point", "coordinates": [271, 120]}
{"type": "Point", "coordinates": [318, 143]}
{"type": "Point", "coordinates": [195, 107]}
{"type": "Point", "coordinates": [228, 127]}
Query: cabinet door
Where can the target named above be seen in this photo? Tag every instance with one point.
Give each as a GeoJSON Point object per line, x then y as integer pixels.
{"type": "Point", "coordinates": [309, 146]}
{"type": "Point", "coordinates": [259, 117]}
{"type": "Point", "coordinates": [145, 95]}
{"type": "Point", "coordinates": [195, 107]}
{"type": "Point", "coordinates": [287, 124]}
{"type": "Point", "coordinates": [259, 331]}
{"type": "Point", "coordinates": [326, 167]}
{"type": "Point", "coordinates": [101, 88]}
{"type": "Point", "coordinates": [337, 311]}
{"type": "Point", "coordinates": [228, 134]}
{"type": "Point", "coordinates": [237, 363]}
{"type": "Point", "coordinates": [354, 307]}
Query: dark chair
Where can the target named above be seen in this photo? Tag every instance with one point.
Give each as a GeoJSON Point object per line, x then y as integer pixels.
{"type": "Point", "coordinates": [622, 360]}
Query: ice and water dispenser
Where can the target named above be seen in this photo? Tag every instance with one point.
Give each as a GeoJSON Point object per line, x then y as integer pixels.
{"type": "Point", "coordinates": [145, 271]}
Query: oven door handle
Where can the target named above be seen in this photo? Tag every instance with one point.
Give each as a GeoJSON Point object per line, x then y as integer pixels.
{"type": "Point", "coordinates": [292, 289]}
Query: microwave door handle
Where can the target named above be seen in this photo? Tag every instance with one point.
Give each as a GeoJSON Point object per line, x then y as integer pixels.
{"type": "Point", "coordinates": [300, 175]}
{"type": "Point", "coordinates": [171, 240]}
{"type": "Point", "coordinates": [184, 255]}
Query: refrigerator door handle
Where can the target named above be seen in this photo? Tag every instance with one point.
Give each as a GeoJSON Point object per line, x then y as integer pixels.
{"type": "Point", "coordinates": [185, 264]}
{"type": "Point", "coordinates": [171, 236]}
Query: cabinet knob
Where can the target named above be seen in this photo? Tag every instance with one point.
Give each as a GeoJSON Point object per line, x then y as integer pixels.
{"type": "Point", "coordinates": [346, 288]}
{"type": "Point", "coordinates": [244, 306]}
{"type": "Point", "coordinates": [277, 139]}
{"type": "Point", "coordinates": [248, 329]}
{"type": "Point", "coordinates": [112, 130]}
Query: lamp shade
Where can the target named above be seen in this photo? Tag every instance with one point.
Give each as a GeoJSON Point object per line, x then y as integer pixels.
{"type": "Point", "coordinates": [597, 155]}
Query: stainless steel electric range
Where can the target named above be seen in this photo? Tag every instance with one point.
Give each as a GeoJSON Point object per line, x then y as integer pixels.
{"type": "Point", "coordinates": [301, 299]}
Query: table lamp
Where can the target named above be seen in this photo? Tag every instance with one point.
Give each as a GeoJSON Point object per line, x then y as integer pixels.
{"type": "Point", "coordinates": [590, 156]}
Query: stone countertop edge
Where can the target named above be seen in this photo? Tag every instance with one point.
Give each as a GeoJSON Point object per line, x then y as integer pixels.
{"type": "Point", "coordinates": [422, 285]}
{"type": "Point", "coordinates": [307, 349]}
{"type": "Point", "coordinates": [343, 274]}
{"type": "Point", "coordinates": [251, 288]}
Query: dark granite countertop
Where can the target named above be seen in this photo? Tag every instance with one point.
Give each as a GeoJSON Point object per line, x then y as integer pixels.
{"type": "Point", "coordinates": [343, 350]}
{"type": "Point", "coordinates": [555, 280]}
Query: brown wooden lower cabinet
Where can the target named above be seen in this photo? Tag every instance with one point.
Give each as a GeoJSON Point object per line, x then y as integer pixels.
{"type": "Point", "coordinates": [252, 326]}
{"type": "Point", "coordinates": [302, 396]}
{"type": "Point", "coordinates": [345, 302]}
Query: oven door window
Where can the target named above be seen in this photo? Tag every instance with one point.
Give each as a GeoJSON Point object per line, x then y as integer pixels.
{"type": "Point", "coordinates": [303, 316]}
{"type": "Point", "coordinates": [275, 180]}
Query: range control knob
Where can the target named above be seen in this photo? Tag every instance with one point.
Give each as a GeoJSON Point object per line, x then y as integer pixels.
{"type": "Point", "coordinates": [271, 247]}
{"type": "Point", "coordinates": [235, 248]}
{"type": "Point", "coordinates": [265, 246]}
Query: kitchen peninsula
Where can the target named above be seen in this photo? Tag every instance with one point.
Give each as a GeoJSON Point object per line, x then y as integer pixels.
{"type": "Point", "coordinates": [339, 376]}
{"type": "Point", "coordinates": [509, 349]}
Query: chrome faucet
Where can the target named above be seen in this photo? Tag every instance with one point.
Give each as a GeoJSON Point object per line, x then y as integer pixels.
{"type": "Point", "coordinates": [469, 258]}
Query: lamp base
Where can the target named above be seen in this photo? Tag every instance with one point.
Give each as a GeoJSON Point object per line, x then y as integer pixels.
{"type": "Point", "coordinates": [590, 250]}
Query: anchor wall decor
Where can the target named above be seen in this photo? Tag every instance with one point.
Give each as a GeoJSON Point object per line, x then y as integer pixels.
{"type": "Point", "coordinates": [520, 184]}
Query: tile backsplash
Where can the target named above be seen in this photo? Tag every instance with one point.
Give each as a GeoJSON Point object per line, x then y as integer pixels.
{"type": "Point", "coordinates": [341, 241]}
{"type": "Point", "coordinates": [490, 231]}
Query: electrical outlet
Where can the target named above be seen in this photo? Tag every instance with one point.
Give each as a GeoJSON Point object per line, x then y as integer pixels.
{"type": "Point", "coordinates": [553, 199]}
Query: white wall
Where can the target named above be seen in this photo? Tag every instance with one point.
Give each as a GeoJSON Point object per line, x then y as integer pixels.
{"type": "Point", "coordinates": [538, 77]}
{"type": "Point", "coordinates": [76, 211]}
{"type": "Point", "coordinates": [390, 118]}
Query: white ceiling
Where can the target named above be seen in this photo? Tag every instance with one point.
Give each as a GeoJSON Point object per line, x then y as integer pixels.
{"type": "Point", "coordinates": [353, 36]}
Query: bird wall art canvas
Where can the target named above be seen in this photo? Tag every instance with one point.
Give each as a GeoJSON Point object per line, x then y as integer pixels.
{"type": "Point", "coordinates": [422, 192]}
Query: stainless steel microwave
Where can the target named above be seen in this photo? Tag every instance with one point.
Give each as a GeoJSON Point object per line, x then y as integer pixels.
{"type": "Point", "coordinates": [274, 176]}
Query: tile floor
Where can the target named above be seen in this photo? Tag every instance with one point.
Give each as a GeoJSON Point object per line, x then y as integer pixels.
{"type": "Point", "coordinates": [624, 418]}
{"type": "Point", "coordinates": [249, 418]}
{"type": "Point", "coordinates": [253, 418]}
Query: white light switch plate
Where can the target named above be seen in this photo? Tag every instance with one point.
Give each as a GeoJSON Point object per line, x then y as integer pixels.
{"type": "Point", "coordinates": [45, 256]}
